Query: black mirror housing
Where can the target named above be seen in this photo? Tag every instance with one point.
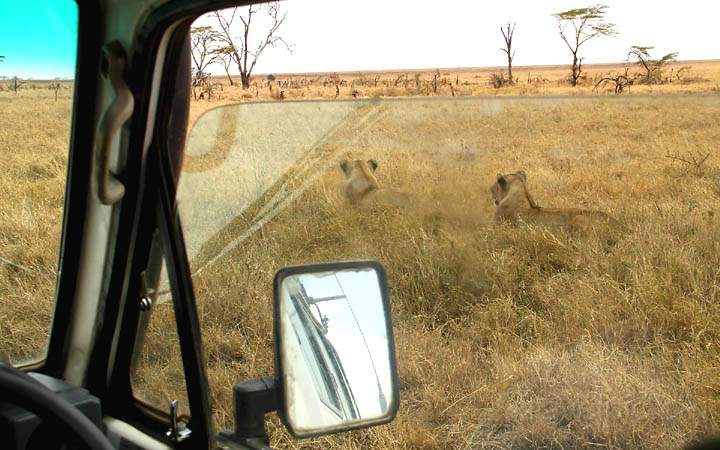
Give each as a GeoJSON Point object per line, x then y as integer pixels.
{"type": "Point", "coordinates": [252, 400]}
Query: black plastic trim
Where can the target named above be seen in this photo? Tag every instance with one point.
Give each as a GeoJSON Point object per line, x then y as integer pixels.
{"type": "Point", "coordinates": [188, 325]}
{"type": "Point", "coordinates": [150, 181]}
{"type": "Point", "coordinates": [78, 182]}
{"type": "Point", "coordinates": [149, 204]}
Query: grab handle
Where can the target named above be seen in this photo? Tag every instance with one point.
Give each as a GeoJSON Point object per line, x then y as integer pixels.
{"type": "Point", "coordinates": [110, 189]}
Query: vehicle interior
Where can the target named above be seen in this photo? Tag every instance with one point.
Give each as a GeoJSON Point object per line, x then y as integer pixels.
{"type": "Point", "coordinates": [193, 259]}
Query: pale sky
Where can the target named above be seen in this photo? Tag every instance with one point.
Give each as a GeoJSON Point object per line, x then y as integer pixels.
{"type": "Point", "coordinates": [38, 38]}
{"type": "Point", "coordinates": [403, 34]}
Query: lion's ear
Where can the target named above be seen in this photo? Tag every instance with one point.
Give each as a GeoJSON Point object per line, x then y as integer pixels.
{"type": "Point", "coordinates": [522, 174]}
{"type": "Point", "coordinates": [373, 164]}
{"type": "Point", "coordinates": [501, 180]}
{"type": "Point", "coordinates": [344, 166]}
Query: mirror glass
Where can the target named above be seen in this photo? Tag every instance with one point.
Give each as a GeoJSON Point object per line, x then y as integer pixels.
{"type": "Point", "coordinates": [336, 350]}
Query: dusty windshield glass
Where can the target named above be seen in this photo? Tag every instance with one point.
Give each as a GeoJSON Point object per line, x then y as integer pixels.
{"type": "Point", "coordinates": [545, 208]}
{"type": "Point", "coordinates": [479, 299]}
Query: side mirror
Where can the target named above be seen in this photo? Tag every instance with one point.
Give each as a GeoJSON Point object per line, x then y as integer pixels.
{"type": "Point", "coordinates": [334, 350]}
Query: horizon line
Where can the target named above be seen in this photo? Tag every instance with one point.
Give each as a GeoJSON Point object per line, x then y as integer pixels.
{"type": "Point", "coordinates": [470, 68]}
{"type": "Point", "coordinates": [411, 70]}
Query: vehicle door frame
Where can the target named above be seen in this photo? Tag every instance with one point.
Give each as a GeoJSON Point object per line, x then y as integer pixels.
{"type": "Point", "coordinates": [150, 178]}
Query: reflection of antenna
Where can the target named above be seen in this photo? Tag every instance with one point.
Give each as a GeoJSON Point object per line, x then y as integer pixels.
{"type": "Point", "coordinates": [334, 274]}
{"type": "Point", "coordinates": [381, 396]}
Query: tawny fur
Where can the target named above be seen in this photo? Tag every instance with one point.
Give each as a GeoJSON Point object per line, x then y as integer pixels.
{"type": "Point", "coordinates": [514, 202]}
{"type": "Point", "coordinates": [360, 178]}
{"type": "Point", "coordinates": [361, 185]}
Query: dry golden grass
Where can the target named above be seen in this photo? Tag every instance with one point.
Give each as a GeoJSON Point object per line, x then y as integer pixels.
{"type": "Point", "coordinates": [34, 140]}
{"type": "Point", "coordinates": [506, 336]}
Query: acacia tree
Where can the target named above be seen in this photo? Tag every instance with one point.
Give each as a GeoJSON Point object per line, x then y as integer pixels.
{"type": "Point", "coordinates": [508, 31]}
{"type": "Point", "coordinates": [224, 56]}
{"type": "Point", "coordinates": [653, 67]}
{"type": "Point", "coordinates": [241, 50]}
{"type": "Point", "coordinates": [587, 23]}
{"type": "Point", "coordinates": [204, 41]}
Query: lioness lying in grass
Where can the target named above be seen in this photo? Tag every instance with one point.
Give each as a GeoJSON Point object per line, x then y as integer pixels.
{"type": "Point", "coordinates": [513, 202]}
{"type": "Point", "coordinates": [361, 186]}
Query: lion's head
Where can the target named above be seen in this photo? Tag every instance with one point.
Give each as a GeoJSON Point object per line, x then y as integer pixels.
{"type": "Point", "coordinates": [507, 185]}
{"type": "Point", "coordinates": [360, 178]}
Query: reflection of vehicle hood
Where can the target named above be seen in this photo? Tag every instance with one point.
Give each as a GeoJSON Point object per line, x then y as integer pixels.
{"type": "Point", "coordinates": [325, 356]}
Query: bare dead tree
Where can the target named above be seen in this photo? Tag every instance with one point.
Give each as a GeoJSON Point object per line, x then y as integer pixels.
{"type": "Point", "coordinates": [55, 87]}
{"type": "Point", "coordinates": [679, 74]}
{"type": "Point", "coordinates": [15, 84]}
{"type": "Point", "coordinates": [244, 53]}
{"type": "Point", "coordinates": [621, 81]}
{"type": "Point", "coordinates": [587, 23]}
{"type": "Point", "coordinates": [508, 31]}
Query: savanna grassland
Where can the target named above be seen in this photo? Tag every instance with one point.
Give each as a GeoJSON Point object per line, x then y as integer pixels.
{"type": "Point", "coordinates": [33, 159]}
{"type": "Point", "coordinates": [506, 337]}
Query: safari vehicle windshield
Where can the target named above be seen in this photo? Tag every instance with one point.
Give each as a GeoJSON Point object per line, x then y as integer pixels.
{"type": "Point", "coordinates": [602, 294]}
{"type": "Point", "coordinates": [549, 225]}
{"type": "Point", "coordinates": [533, 188]}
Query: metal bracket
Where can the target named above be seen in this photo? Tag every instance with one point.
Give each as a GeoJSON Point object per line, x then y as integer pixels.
{"type": "Point", "coordinates": [114, 59]}
{"type": "Point", "coordinates": [253, 399]}
{"type": "Point", "coordinates": [177, 432]}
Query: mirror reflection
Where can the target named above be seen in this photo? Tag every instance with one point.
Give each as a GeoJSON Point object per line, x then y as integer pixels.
{"type": "Point", "coordinates": [335, 350]}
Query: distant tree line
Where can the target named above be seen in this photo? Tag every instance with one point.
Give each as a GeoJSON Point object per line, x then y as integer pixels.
{"type": "Point", "coordinates": [578, 26]}
{"type": "Point", "coordinates": [236, 38]}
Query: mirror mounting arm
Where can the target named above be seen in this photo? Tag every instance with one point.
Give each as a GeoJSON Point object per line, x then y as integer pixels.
{"type": "Point", "coordinates": [253, 399]}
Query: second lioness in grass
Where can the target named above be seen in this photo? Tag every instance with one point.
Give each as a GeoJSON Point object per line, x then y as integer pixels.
{"type": "Point", "coordinates": [514, 202]}
{"type": "Point", "coordinates": [361, 186]}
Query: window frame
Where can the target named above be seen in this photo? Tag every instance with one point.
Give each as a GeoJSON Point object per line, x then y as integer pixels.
{"type": "Point", "coordinates": [151, 181]}
{"type": "Point", "coordinates": [77, 179]}
{"type": "Point", "coordinates": [148, 205]}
